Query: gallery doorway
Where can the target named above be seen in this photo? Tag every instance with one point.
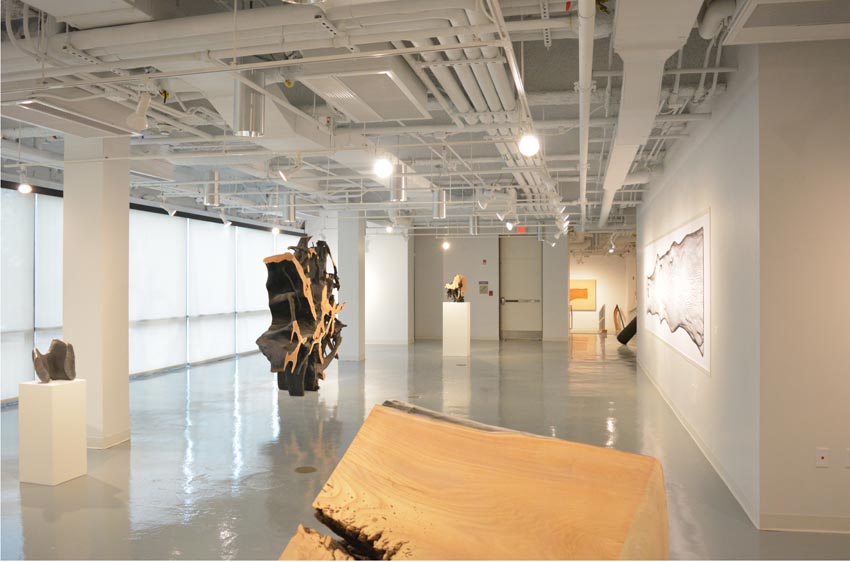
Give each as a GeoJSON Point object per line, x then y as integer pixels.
{"type": "Point", "coordinates": [521, 282]}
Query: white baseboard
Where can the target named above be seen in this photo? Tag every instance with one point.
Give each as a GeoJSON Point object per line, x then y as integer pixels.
{"type": "Point", "coordinates": [751, 510]}
{"type": "Point", "coordinates": [94, 442]}
{"type": "Point", "coordinates": [806, 523]}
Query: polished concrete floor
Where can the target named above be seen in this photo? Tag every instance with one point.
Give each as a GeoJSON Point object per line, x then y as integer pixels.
{"type": "Point", "coordinates": [211, 471]}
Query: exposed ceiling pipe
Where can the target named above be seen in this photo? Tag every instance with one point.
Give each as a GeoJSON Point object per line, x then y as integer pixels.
{"type": "Point", "coordinates": [715, 12]}
{"type": "Point", "coordinates": [586, 22]}
{"type": "Point", "coordinates": [644, 44]}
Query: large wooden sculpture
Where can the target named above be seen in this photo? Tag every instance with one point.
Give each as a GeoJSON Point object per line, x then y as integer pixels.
{"type": "Point", "coordinates": [417, 484]}
{"type": "Point", "coordinates": [305, 334]}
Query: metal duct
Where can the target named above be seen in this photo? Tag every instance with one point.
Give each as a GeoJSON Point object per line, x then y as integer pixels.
{"type": "Point", "coordinates": [398, 187]}
{"type": "Point", "coordinates": [439, 203]}
{"type": "Point", "coordinates": [212, 191]}
{"type": "Point", "coordinates": [249, 106]}
{"type": "Point", "coordinates": [289, 208]}
{"type": "Point", "coordinates": [473, 225]}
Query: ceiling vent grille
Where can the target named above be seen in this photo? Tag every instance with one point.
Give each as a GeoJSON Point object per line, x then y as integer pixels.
{"type": "Point", "coordinates": [779, 21]}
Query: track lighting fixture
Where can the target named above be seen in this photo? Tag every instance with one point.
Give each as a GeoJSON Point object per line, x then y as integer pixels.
{"type": "Point", "coordinates": [501, 215]}
{"type": "Point", "coordinates": [529, 144]}
{"type": "Point", "coordinates": [509, 225]}
{"type": "Point", "coordinates": [138, 120]}
{"type": "Point", "coordinates": [382, 167]}
{"type": "Point", "coordinates": [170, 210]}
{"type": "Point", "coordinates": [24, 186]}
{"type": "Point", "coordinates": [249, 105]}
{"type": "Point", "coordinates": [224, 220]}
{"type": "Point", "coordinates": [552, 243]}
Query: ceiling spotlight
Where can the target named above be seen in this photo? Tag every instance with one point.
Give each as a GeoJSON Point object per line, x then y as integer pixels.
{"type": "Point", "coordinates": [389, 229]}
{"type": "Point", "coordinates": [138, 120]}
{"type": "Point", "coordinates": [282, 175]}
{"type": "Point", "coordinates": [529, 144]}
{"type": "Point", "coordinates": [224, 220]}
{"type": "Point", "coordinates": [170, 210]}
{"type": "Point", "coordinates": [610, 250]}
{"type": "Point", "coordinates": [509, 225]}
{"type": "Point", "coordinates": [446, 245]}
{"type": "Point", "coordinates": [501, 215]}
{"type": "Point", "coordinates": [552, 243]}
{"type": "Point", "coordinates": [275, 231]}
{"type": "Point", "coordinates": [383, 168]}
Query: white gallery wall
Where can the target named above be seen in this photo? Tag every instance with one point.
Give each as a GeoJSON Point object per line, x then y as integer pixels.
{"type": "Point", "coordinates": [478, 259]}
{"type": "Point", "coordinates": [389, 289]}
{"type": "Point", "coordinates": [804, 168]}
{"type": "Point", "coordinates": [715, 170]}
{"type": "Point", "coordinates": [610, 272]}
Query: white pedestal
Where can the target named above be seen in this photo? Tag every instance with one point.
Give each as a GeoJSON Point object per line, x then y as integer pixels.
{"type": "Point", "coordinates": [52, 431]}
{"type": "Point", "coordinates": [456, 329]}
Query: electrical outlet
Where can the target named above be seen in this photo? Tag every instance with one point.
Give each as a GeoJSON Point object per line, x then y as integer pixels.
{"type": "Point", "coordinates": [822, 457]}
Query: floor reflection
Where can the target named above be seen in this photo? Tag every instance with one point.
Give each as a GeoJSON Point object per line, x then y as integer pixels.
{"type": "Point", "coordinates": [222, 465]}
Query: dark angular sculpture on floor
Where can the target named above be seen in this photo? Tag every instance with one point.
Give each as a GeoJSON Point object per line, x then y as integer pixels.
{"type": "Point", "coordinates": [305, 334]}
{"type": "Point", "coordinates": [456, 289]}
{"type": "Point", "coordinates": [58, 364]}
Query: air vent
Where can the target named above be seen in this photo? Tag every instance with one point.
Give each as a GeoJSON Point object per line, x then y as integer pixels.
{"type": "Point", "coordinates": [369, 90]}
{"type": "Point", "coordinates": [780, 21]}
{"type": "Point", "coordinates": [52, 116]}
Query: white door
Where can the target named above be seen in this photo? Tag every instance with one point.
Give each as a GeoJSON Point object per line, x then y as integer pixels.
{"type": "Point", "coordinates": [521, 287]}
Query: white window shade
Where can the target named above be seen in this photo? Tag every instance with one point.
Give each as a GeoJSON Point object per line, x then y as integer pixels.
{"type": "Point", "coordinates": [157, 344]}
{"type": "Point", "coordinates": [16, 290]}
{"type": "Point", "coordinates": [211, 337]}
{"type": "Point", "coordinates": [48, 262]}
{"type": "Point", "coordinates": [157, 266]}
{"type": "Point", "coordinates": [249, 327]}
{"type": "Point", "coordinates": [211, 275]}
{"type": "Point", "coordinates": [252, 247]}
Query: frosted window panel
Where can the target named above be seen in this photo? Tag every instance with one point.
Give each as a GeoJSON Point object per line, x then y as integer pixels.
{"type": "Point", "coordinates": [157, 344]}
{"type": "Point", "coordinates": [48, 261]}
{"type": "Point", "coordinates": [16, 246]}
{"type": "Point", "coordinates": [252, 246]}
{"type": "Point", "coordinates": [211, 337]}
{"type": "Point", "coordinates": [15, 362]}
{"type": "Point", "coordinates": [211, 268]}
{"type": "Point", "coordinates": [282, 242]}
{"type": "Point", "coordinates": [250, 326]}
{"type": "Point", "coordinates": [157, 266]}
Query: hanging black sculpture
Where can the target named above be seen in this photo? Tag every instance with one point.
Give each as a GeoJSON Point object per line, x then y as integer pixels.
{"type": "Point", "coordinates": [305, 334]}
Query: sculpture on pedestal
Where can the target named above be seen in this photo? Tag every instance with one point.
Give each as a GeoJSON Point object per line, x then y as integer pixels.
{"type": "Point", "coordinates": [305, 334]}
{"type": "Point", "coordinates": [58, 364]}
{"type": "Point", "coordinates": [456, 289]}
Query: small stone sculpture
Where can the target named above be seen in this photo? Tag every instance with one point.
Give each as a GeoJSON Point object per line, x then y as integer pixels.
{"type": "Point", "coordinates": [456, 289]}
{"type": "Point", "coordinates": [305, 334]}
{"type": "Point", "coordinates": [58, 364]}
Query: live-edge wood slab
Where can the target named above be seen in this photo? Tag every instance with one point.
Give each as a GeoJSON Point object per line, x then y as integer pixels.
{"type": "Point", "coordinates": [416, 484]}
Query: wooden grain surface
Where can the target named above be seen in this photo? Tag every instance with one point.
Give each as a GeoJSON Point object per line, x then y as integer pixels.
{"type": "Point", "coordinates": [418, 487]}
{"type": "Point", "coordinates": [308, 544]}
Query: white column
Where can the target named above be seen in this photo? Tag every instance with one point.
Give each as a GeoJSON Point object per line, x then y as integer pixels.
{"type": "Point", "coordinates": [352, 279]}
{"type": "Point", "coordinates": [556, 290]}
{"type": "Point", "coordinates": [95, 283]}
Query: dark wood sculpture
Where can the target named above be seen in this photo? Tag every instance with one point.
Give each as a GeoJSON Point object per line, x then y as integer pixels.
{"type": "Point", "coordinates": [457, 288]}
{"type": "Point", "coordinates": [305, 334]}
{"type": "Point", "coordinates": [58, 364]}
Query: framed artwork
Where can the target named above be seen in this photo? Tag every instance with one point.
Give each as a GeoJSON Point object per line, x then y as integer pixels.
{"type": "Point", "coordinates": [583, 294]}
{"type": "Point", "coordinates": [677, 301]}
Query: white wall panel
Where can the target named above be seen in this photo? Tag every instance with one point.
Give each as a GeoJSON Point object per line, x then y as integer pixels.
{"type": "Point", "coordinates": [387, 289]}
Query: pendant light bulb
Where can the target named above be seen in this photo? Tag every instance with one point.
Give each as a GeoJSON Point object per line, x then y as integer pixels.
{"type": "Point", "coordinates": [529, 144]}
{"type": "Point", "coordinates": [383, 168]}
{"type": "Point", "coordinates": [389, 229]}
{"type": "Point", "coordinates": [509, 225]}
{"type": "Point", "coordinates": [446, 245]}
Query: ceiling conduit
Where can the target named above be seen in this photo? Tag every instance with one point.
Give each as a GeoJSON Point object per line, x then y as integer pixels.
{"type": "Point", "coordinates": [586, 22]}
{"type": "Point", "coordinates": [646, 34]}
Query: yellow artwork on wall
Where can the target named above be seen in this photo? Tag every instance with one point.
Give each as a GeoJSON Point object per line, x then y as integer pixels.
{"type": "Point", "coordinates": [583, 294]}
